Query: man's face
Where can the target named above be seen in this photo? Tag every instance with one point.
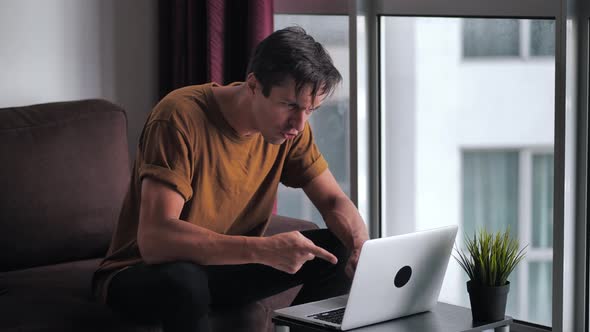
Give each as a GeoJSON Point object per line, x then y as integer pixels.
{"type": "Point", "coordinates": [283, 114]}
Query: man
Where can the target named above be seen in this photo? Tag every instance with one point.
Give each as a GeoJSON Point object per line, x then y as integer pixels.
{"type": "Point", "coordinates": [205, 179]}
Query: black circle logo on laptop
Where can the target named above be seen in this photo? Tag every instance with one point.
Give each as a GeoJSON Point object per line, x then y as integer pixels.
{"type": "Point", "coordinates": [403, 276]}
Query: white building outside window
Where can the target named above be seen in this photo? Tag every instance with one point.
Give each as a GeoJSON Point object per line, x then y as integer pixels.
{"type": "Point", "coordinates": [467, 120]}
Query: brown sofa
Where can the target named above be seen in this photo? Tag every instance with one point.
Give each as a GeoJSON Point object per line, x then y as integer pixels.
{"type": "Point", "coordinates": [64, 171]}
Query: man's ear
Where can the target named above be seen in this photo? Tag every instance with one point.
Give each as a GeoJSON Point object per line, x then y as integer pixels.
{"type": "Point", "coordinates": [251, 81]}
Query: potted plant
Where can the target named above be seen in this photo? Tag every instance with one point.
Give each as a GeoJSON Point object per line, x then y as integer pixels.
{"type": "Point", "coordinates": [489, 260]}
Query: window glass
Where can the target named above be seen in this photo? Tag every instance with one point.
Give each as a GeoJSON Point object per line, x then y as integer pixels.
{"type": "Point", "coordinates": [542, 201]}
{"type": "Point", "coordinates": [542, 38]}
{"type": "Point", "coordinates": [470, 143]}
{"type": "Point", "coordinates": [490, 191]}
{"type": "Point", "coordinates": [330, 123]}
{"type": "Point", "coordinates": [491, 37]}
{"type": "Point", "coordinates": [539, 301]}
{"type": "Point", "coordinates": [490, 199]}
{"type": "Point", "coordinates": [508, 38]}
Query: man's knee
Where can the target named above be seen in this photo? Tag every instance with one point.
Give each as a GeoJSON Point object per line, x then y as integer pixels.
{"type": "Point", "coordinates": [187, 284]}
{"type": "Point", "coordinates": [340, 251]}
{"type": "Point", "coordinates": [326, 239]}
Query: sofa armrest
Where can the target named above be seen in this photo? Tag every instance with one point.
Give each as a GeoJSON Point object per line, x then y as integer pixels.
{"type": "Point", "coordinates": [282, 224]}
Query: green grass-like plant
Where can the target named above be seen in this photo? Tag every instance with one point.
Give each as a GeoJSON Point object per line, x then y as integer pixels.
{"type": "Point", "coordinates": [490, 257]}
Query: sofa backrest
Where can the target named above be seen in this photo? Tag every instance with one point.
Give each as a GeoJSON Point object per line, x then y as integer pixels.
{"type": "Point", "coordinates": [64, 171]}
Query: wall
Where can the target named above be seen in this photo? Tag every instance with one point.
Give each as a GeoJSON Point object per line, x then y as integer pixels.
{"type": "Point", "coordinates": [56, 50]}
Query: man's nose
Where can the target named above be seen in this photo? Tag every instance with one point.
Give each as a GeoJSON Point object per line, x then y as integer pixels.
{"type": "Point", "coordinates": [297, 121]}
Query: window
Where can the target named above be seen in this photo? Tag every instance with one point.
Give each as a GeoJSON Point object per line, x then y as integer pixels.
{"type": "Point", "coordinates": [331, 122]}
{"type": "Point", "coordinates": [428, 87]}
{"type": "Point", "coordinates": [461, 144]}
{"type": "Point", "coordinates": [515, 189]}
{"type": "Point", "coordinates": [491, 37]}
{"type": "Point", "coordinates": [541, 37]}
{"type": "Point", "coordinates": [540, 257]}
{"type": "Point", "coordinates": [508, 38]}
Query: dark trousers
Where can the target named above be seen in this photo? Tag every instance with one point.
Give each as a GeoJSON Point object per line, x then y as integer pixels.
{"type": "Point", "coordinates": [179, 295]}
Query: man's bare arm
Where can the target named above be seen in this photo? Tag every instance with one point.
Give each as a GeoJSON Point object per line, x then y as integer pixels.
{"type": "Point", "coordinates": [163, 237]}
{"type": "Point", "coordinates": [339, 213]}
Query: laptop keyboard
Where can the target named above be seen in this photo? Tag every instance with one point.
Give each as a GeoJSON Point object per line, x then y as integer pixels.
{"type": "Point", "coordinates": [332, 316]}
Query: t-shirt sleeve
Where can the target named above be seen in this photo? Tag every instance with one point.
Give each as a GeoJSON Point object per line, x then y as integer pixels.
{"type": "Point", "coordinates": [167, 156]}
{"type": "Point", "coordinates": [304, 161]}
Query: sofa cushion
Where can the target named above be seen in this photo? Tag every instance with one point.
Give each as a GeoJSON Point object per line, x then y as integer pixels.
{"type": "Point", "coordinates": [57, 298]}
{"type": "Point", "coordinates": [63, 176]}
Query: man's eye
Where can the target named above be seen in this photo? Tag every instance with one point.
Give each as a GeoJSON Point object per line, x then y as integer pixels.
{"type": "Point", "coordinates": [290, 106]}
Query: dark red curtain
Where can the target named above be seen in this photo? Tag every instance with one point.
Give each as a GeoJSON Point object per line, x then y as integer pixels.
{"type": "Point", "coordinates": [203, 41]}
{"type": "Point", "coordinates": [209, 40]}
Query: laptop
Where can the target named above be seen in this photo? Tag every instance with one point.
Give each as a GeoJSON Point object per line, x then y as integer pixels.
{"type": "Point", "coordinates": [395, 277]}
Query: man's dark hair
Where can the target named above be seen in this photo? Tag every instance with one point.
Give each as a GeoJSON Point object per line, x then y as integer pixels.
{"type": "Point", "coordinates": [291, 52]}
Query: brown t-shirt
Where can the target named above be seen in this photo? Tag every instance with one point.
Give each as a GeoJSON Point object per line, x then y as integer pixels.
{"type": "Point", "coordinates": [229, 183]}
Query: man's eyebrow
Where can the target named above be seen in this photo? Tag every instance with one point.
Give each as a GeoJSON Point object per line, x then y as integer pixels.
{"type": "Point", "coordinates": [295, 103]}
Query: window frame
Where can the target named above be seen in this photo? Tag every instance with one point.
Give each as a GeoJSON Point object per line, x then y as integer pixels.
{"type": "Point", "coordinates": [570, 250]}
{"type": "Point", "coordinates": [311, 7]}
{"type": "Point", "coordinates": [583, 237]}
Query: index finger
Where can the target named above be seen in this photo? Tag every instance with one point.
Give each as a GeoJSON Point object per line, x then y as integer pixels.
{"type": "Point", "coordinates": [323, 254]}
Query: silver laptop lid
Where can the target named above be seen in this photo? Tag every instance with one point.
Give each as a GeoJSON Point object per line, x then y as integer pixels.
{"type": "Point", "coordinates": [398, 276]}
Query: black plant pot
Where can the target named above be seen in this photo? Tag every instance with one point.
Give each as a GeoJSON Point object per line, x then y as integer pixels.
{"type": "Point", "coordinates": [487, 303]}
